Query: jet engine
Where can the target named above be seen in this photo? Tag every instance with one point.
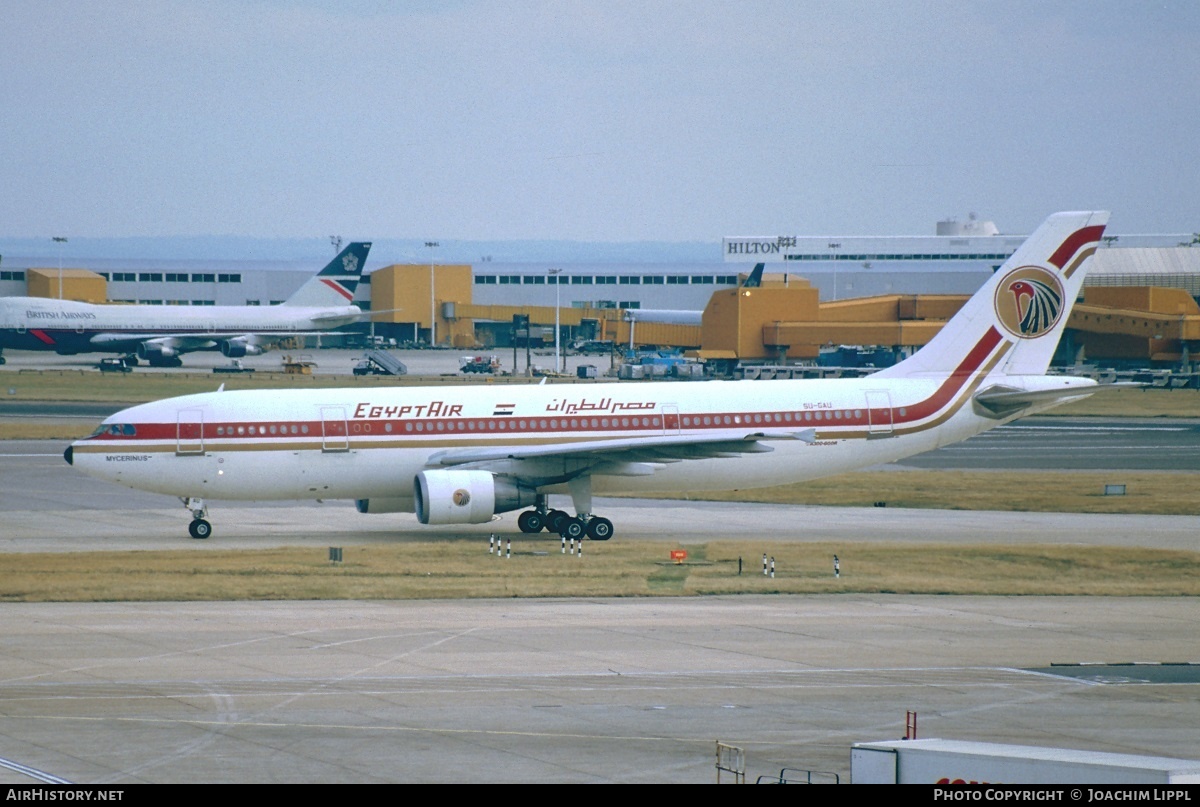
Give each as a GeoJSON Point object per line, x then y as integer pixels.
{"type": "Point", "coordinates": [236, 348]}
{"type": "Point", "coordinates": [159, 355]}
{"type": "Point", "coordinates": [466, 497]}
{"type": "Point", "coordinates": [151, 351]}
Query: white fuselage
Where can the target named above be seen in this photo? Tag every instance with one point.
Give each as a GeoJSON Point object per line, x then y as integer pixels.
{"type": "Point", "coordinates": [68, 326]}
{"type": "Point", "coordinates": [462, 454]}
{"type": "Point", "coordinates": [371, 443]}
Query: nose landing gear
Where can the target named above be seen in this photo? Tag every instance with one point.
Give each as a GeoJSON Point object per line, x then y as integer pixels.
{"type": "Point", "coordinates": [199, 528]}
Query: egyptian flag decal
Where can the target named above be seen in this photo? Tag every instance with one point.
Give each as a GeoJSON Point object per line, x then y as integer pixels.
{"type": "Point", "coordinates": [503, 409]}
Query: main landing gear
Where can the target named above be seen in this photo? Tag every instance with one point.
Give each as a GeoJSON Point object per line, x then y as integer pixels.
{"type": "Point", "coordinates": [557, 521]}
{"type": "Point", "coordinates": [199, 528]}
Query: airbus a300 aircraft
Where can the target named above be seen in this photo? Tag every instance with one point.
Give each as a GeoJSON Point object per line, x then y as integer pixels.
{"type": "Point", "coordinates": [161, 333]}
{"type": "Point", "coordinates": [461, 455]}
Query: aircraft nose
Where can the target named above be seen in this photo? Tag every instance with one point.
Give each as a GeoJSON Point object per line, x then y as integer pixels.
{"type": "Point", "coordinates": [69, 455]}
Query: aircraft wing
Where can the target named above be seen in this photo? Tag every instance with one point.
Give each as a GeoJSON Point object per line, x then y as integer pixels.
{"type": "Point", "coordinates": [189, 342]}
{"type": "Point", "coordinates": [637, 456]}
{"type": "Point", "coordinates": [181, 342]}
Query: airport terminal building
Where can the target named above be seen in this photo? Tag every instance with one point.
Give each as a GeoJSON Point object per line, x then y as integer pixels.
{"type": "Point", "coordinates": [473, 304]}
{"type": "Point", "coordinates": [954, 261]}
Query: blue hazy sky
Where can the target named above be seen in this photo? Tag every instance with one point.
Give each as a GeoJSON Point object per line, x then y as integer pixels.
{"type": "Point", "coordinates": [599, 120]}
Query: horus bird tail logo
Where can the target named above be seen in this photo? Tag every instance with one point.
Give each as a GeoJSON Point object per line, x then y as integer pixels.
{"type": "Point", "coordinates": [1029, 302]}
{"type": "Point", "coordinates": [1012, 325]}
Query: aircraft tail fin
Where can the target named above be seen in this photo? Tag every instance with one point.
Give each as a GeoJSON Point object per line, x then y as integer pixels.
{"type": "Point", "coordinates": [754, 280]}
{"type": "Point", "coordinates": [1013, 324]}
{"type": "Point", "coordinates": [335, 284]}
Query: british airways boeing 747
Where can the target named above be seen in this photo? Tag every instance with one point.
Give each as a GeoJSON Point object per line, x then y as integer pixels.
{"type": "Point", "coordinates": [160, 334]}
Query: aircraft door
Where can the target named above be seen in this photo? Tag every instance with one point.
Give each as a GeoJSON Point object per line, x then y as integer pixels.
{"type": "Point", "coordinates": [189, 432]}
{"type": "Point", "coordinates": [670, 416]}
{"type": "Point", "coordinates": [335, 435]}
{"type": "Point", "coordinates": [879, 413]}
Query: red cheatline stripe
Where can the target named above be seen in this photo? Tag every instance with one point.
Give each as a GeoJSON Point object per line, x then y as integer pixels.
{"type": "Point", "coordinates": [949, 393]}
{"type": "Point", "coordinates": [45, 337]}
{"type": "Point", "coordinates": [338, 288]}
{"type": "Point", "coordinates": [1077, 239]}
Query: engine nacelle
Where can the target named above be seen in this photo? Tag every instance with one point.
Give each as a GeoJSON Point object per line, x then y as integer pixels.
{"type": "Point", "coordinates": [154, 352]}
{"type": "Point", "coordinates": [236, 348]}
{"type": "Point", "coordinates": [384, 505]}
{"type": "Point", "coordinates": [466, 497]}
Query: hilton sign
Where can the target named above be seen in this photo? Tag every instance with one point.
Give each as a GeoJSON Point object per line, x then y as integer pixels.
{"type": "Point", "coordinates": [757, 249]}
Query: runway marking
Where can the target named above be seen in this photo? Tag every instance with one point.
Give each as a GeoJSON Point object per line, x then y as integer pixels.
{"type": "Point", "coordinates": [401, 635]}
{"type": "Point", "coordinates": [352, 676]}
{"type": "Point", "coordinates": [705, 741]}
{"type": "Point", "coordinates": [34, 773]}
{"type": "Point", "coordinates": [163, 655]}
{"type": "Point", "coordinates": [533, 683]}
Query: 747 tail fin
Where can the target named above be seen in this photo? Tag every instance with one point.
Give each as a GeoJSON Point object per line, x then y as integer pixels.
{"type": "Point", "coordinates": [1012, 325]}
{"type": "Point", "coordinates": [335, 284]}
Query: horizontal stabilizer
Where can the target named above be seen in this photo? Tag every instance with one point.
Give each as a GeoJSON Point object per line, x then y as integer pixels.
{"type": "Point", "coordinates": [1002, 401]}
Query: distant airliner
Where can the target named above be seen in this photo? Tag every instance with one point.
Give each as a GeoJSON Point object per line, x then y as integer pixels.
{"type": "Point", "coordinates": [161, 333]}
{"type": "Point", "coordinates": [461, 455]}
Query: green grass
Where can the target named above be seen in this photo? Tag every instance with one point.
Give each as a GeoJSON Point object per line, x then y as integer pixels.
{"type": "Point", "coordinates": [465, 569]}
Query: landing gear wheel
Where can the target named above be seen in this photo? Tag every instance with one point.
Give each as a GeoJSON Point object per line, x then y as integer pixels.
{"type": "Point", "coordinates": [200, 529]}
{"type": "Point", "coordinates": [555, 520]}
{"type": "Point", "coordinates": [599, 529]}
{"type": "Point", "coordinates": [531, 521]}
{"type": "Point", "coordinates": [573, 529]}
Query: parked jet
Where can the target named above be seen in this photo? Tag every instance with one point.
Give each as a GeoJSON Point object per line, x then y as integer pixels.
{"type": "Point", "coordinates": [161, 333]}
{"type": "Point", "coordinates": [461, 455]}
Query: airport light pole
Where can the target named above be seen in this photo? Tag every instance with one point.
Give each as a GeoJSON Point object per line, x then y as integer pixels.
{"type": "Point", "coordinates": [556, 278]}
{"type": "Point", "coordinates": [432, 314]}
{"type": "Point", "coordinates": [60, 241]}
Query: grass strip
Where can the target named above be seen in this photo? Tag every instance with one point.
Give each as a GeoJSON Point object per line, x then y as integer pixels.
{"type": "Point", "coordinates": [466, 570]}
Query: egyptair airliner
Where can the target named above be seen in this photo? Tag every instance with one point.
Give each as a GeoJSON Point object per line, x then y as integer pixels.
{"type": "Point", "coordinates": [462, 455]}
{"type": "Point", "coordinates": [160, 334]}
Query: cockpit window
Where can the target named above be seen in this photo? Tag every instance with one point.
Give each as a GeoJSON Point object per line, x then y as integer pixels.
{"type": "Point", "coordinates": [116, 429]}
{"type": "Point", "coordinates": [128, 430]}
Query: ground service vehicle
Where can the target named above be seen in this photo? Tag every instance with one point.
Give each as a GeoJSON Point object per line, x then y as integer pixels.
{"type": "Point", "coordinates": [950, 762]}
